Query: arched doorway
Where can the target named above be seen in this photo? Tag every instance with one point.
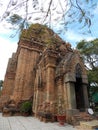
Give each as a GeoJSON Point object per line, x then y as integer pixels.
{"type": "Point", "coordinates": [79, 88]}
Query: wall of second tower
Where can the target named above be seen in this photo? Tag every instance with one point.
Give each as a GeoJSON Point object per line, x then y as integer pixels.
{"type": "Point", "coordinates": [28, 55]}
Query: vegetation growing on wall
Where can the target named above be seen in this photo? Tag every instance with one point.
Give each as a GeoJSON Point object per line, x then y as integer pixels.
{"type": "Point", "coordinates": [41, 32]}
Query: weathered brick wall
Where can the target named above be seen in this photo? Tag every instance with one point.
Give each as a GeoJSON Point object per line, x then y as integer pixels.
{"type": "Point", "coordinates": [8, 84]}
{"type": "Point", "coordinates": [27, 58]}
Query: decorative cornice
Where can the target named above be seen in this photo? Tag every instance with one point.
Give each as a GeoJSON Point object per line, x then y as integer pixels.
{"type": "Point", "coordinates": [50, 53]}
{"type": "Point", "coordinates": [10, 75]}
{"type": "Point", "coordinates": [31, 44]}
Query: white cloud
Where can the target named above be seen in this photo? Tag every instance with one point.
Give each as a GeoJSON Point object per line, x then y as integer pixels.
{"type": "Point", "coordinates": [6, 49]}
{"type": "Point", "coordinates": [96, 10]}
{"type": "Point", "coordinates": [4, 28]}
{"type": "Point", "coordinates": [76, 37]}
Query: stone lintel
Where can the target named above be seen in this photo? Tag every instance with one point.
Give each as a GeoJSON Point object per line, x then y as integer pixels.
{"type": "Point", "coordinates": [69, 77]}
{"type": "Point", "coordinates": [84, 79]}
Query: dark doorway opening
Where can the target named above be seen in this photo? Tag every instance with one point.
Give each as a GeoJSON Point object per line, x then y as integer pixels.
{"type": "Point", "coordinates": [79, 94]}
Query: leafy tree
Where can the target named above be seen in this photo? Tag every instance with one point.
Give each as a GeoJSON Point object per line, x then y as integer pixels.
{"type": "Point", "coordinates": [1, 84]}
{"type": "Point", "coordinates": [89, 50]}
{"type": "Point", "coordinates": [49, 12]}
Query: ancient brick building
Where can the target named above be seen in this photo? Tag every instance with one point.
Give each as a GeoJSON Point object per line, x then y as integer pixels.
{"type": "Point", "coordinates": [45, 67]}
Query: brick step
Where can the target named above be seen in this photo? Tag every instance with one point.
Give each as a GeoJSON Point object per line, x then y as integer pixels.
{"type": "Point", "coordinates": [82, 116]}
{"type": "Point", "coordinates": [88, 125]}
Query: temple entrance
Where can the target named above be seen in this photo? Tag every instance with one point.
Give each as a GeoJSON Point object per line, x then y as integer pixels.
{"type": "Point", "coordinates": [79, 94]}
{"type": "Point", "coordinates": [79, 89]}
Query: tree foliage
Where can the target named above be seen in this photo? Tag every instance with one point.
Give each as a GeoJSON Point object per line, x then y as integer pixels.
{"type": "Point", "coordinates": [89, 50]}
{"type": "Point", "coordinates": [49, 12]}
{"type": "Point", "coordinates": [1, 83]}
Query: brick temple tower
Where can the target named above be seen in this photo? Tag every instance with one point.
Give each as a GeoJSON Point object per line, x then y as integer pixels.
{"type": "Point", "coordinates": [43, 68]}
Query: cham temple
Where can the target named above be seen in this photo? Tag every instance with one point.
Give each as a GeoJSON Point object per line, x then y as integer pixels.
{"type": "Point", "coordinates": [44, 68]}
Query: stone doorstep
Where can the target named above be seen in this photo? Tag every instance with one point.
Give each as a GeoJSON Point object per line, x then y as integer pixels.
{"type": "Point", "coordinates": [89, 125]}
{"type": "Point", "coordinates": [80, 128]}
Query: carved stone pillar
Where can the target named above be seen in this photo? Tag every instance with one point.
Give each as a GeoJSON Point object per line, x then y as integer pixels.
{"type": "Point", "coordinates": [69, 89]}
{"type": "Point", "coordinates": [50, 57]}
{"type": "Point", "coordinates": [85, 94]}
{"type": "Point", "coordinates": [71, 103]}
{"type": "Point", "coordinates": [50, 83]}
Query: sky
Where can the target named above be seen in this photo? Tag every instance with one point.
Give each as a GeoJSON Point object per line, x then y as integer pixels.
{"type": "Point", "coordinates": [8, 45]}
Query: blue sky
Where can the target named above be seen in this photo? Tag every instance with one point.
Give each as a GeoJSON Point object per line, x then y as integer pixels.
{"type": "Point", "coordinates": [73, 35]}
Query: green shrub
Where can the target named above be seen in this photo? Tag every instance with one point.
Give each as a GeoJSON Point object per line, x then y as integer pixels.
{"type": "Point", "coordinates": [26, 107]}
